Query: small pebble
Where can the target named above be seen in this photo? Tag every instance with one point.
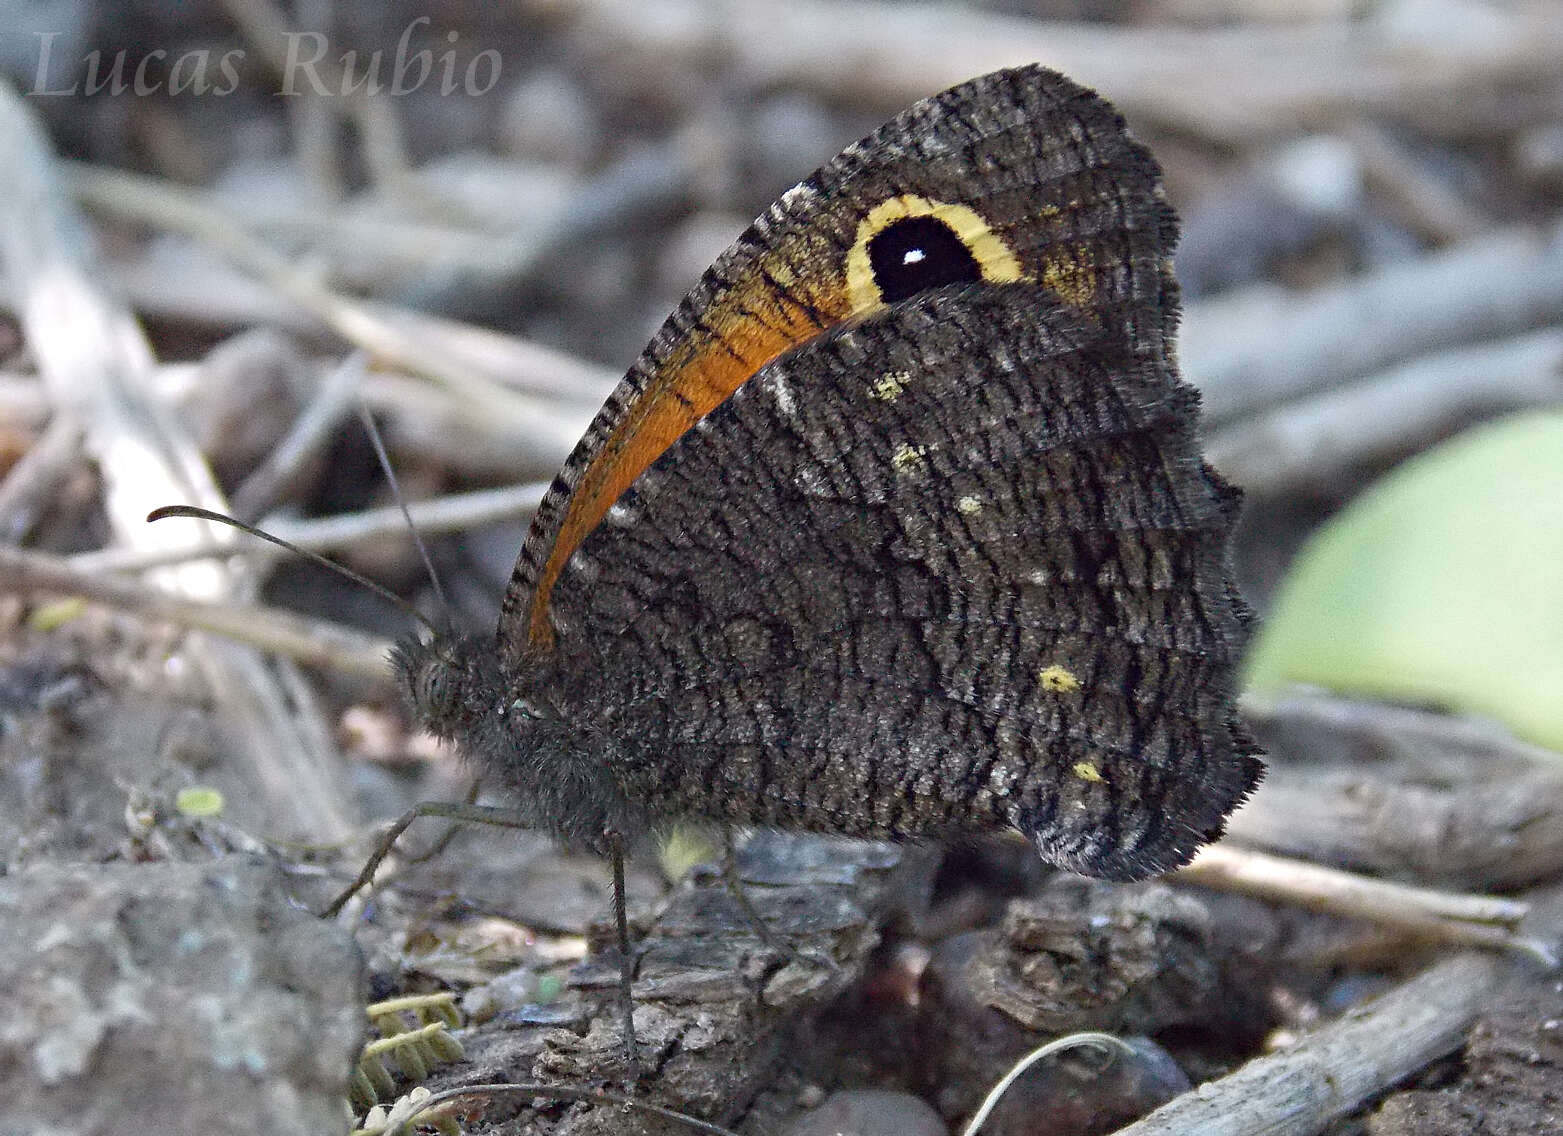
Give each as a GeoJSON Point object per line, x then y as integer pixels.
{"type": "Point", "coordinates": [869, 1112]}
{"type": "Point", "coordinates": [503, 994]}
{"type": "Point", "coordinates": [1075, 1094]}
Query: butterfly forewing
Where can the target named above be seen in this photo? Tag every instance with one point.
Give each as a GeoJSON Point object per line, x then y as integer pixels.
{"type": "Point", "coordinates": [1043, 167]}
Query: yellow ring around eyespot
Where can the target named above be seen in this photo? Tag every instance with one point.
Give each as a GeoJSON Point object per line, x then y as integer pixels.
{"type": "Point", "coordinates": [993, 256]}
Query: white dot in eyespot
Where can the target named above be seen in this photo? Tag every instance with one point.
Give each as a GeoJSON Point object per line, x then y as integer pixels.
{"type": "Point", "coordinates": [622, 514]}
{"type": "Point", "coordinates": [584, 566]}
{"type": "Point", "coordinates": [913, 256]}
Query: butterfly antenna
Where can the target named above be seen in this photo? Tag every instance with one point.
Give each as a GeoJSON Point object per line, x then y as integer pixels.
{"type": "Point", "coordinates": [401, 503]}
{"type": "Point", "coordinates": [198, 514]}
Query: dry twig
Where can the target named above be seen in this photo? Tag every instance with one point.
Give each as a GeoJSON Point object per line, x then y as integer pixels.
{"type": "Point", "coordinates": [1335, 1069]}
{"type": "Point", "coordinates": [1406, 793]}
{"type": "Point", "coordinates": [547, 427]}
{"type": "Point", "coordinates": [311, 642]}
{"type": "Point", "coordinates": [1233, 84]}
{"type": "Point", "coordinates": [265, 26]}
{"type": "Point", "coordinates": [31, 483]}
{"type": "Point", "coordinates": [1321, 443]}
{"type": "Point", "coordinates": [311, 432]}
{"type": "Point", "coordinates": [458, 512]}
{"type": "Point", "coordinates": [1258, 348]}
{"type": "Point", "coordinates": [1464, 920]}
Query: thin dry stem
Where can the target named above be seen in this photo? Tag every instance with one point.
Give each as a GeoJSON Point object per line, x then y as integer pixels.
{"type": "Point", "coordinates": [30, 485]}
{"type": "Point", "coordinates": [310, 432]}
{"type": "Point", "coordinates": [1323, 442]}
{"type": "Point", "coordinates": [155, 203]}
{"type": "Point", "coordinates": [1233, 84]}
{"type": "Point", "coordinates": [268, 29]}
{"type": "Point", "coordinates": [1464, 920]}
{"type": "Point", "coordinates": [456, 513]}
{"type": "Point", "coordinates": [1258, 348]}
{"type": "Point", "coordinates": [311, 642]}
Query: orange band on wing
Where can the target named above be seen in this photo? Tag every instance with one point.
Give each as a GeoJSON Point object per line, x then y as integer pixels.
{"type": "Point", "coordinates": [689, 386]}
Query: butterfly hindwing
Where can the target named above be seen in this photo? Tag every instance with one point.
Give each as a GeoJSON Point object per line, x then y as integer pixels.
{"type": "Point", "coordinates": [956, 566]}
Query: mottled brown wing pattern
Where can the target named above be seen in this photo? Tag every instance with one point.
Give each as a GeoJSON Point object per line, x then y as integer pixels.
{"type": "Point", "coordinates": [1070, 201]}
{"type": "Point", "coordinates": [956, 567]}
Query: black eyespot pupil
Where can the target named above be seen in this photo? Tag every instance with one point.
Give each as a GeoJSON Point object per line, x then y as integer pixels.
{"type": "Point", "coordinates": [917, 253]}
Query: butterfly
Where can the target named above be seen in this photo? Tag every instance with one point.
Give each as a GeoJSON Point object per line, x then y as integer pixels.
{"type": "Point", "coordinates": [898, 528]}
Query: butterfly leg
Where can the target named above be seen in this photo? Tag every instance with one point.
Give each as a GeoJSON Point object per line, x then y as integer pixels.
{"type": "Point", "coordinates": [507, 818]}
{"type": "Point", "coordinates": [434, 850]}
{"type": "Point", "coordinates": [451, 810]}
{"type": "Point", "coordinates": [735, 888]}
{"type": "Point", "coordinates": [626, 958]}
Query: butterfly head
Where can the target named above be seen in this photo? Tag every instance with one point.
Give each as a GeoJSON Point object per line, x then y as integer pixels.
{"type": "Point", "coordinates": [557, 771]}
{"type": "Point", "coordinates": [453, 681]}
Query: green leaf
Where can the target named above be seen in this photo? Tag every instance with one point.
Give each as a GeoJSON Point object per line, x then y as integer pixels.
{"type": "Point", "coordinates": [1443, 583]}
{"type": "Point", "coordinates": [54, 615]}
{"type": "Point", "coordinates": [199, 801]}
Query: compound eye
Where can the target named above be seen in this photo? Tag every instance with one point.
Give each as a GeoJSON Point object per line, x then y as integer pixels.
{"type": "Point", "coordinates": [432, 687]}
